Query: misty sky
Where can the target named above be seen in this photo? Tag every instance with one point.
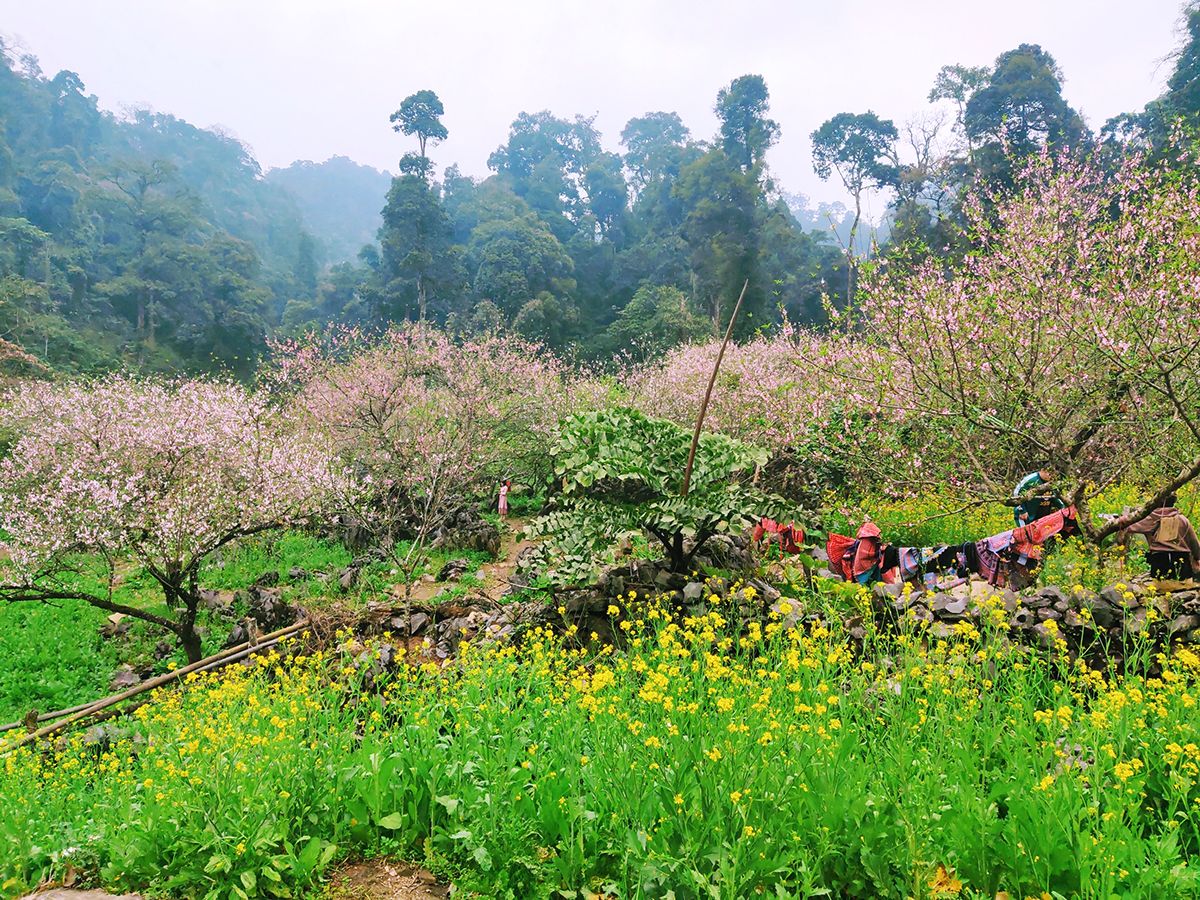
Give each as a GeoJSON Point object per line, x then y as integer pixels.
{"type": "Point", "coordinates": [307, 80]}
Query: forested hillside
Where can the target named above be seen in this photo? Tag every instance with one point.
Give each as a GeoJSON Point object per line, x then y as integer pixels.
{"type": "Point", "coordinates": [144, 242]}
{"type": "Point", "coordinates": [140, 241]}
{"type": "Point", "coordinates": [340, 201]}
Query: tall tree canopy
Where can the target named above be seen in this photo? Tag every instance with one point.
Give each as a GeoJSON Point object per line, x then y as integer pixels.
{"type": "Point", "coordinates": [746, 132]}
{"type": "Point", "coordinates": [421, 114]}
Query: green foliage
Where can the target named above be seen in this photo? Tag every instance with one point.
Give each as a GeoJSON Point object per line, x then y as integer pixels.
{"type": "Point", "coordinates": [708, 761]}
{"type": "Point", "coordinates": [622, 471]}
{"type": "Point", "coordinates": [655, 320]}
{"type": "Point", "coordinates": [51, 657]}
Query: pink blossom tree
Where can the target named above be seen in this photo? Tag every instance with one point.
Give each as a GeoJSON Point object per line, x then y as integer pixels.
{"type": "Point", "coordinates": [1069, 339]}
{"type": "Point", "coordinates": [427, 422]}
{"type": "Point", "coordinates": [163, 473]}
{"type": "Point", "coordinates": [777, 392]}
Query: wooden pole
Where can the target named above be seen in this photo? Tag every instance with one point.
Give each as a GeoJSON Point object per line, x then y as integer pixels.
{"type": "Point", "coordinates": [100, 705]}
{"type": "Point", "coordinates": [687, 472]}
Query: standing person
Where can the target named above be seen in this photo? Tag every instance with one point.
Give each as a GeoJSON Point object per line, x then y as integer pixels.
{"type": "Point", "coordinates": [1172, 548]}
{"type": "Point", "coordinates": [1044, 503]}
{"type": "Point", "coordinates": [502, 506]}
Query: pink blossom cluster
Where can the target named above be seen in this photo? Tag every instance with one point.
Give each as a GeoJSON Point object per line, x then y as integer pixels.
{"type": "Point", "coordinates": [165, 471]}
{"type": "Point", "coordinates": [1070, 338]}
{"type": "Point", "coordinates": [421, 416]}
{"type": "Point", "coordinates": [788, 392]}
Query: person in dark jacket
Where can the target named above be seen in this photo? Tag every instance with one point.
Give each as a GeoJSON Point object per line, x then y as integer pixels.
{"type": "Point", "coordinates": [1041, 503]}
{"type": "Point", "coordinates": [1172, 548]}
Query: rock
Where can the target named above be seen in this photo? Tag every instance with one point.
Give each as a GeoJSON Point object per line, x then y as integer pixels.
{"type": "Point", "coordinates": [213, 600]}
{"type": "Point", "coordinates": [454, 569]}
{"type": "Point", "coordinates": [1046, 636]}
{"type": "Point", "coordinates": [237, 635]}
{"type": "Point", "coordinates": [268, 609]}
{"type": "Point", "coordinates": [693, 591]}
{"type": "Point", "coordinates": [1073, 619]}
{"type": "Point", "coordinates": [348, 577]}
{"type": "Point", "coordinates": [1103, 613]}
{"type": "Point", "coordinates": [295, 573]}
{"type": "Point", "coordinates": [466, 529]}
{"type": "Point", "coordinates": [886, 592]}
{"type": "Point", "coordinates": [794, 615]}
{"type": "Point", "coordinates": [1136, 621]}
{"type": "Point", "coordinates": [1182, 624]}
{"type": "Point", "coordinates": [1022, 618]}
{"type": "Point", "coordinates": [125, 678]}
{"type": "Point", "coordinates": [918, 612]}
{"type": "Point", "coordinates": [767, 591]}
{"type": "Point", "coordinates": [163, 649]}
{"type": "Point", "coordinates": [1046, 613]}
{"type": "Point", "coordinates": [1054, 595]}
{"type": "Point", "coordinates": [101, 737]}
{"type": "Point", "coordinates": [949, 604]}
{"type": "Point", "coordinates": [115, 625]}
{"type": "Point", "coordinates": [410, 624]}
{"type": "Point", "coordinates": [267, 579]}
{"type": "Point", "coordinates": [941, 630]}
{"type": "Point", "coordinates": [1122, 595]}
{"type": "Point", "coordinates": [586, 602]}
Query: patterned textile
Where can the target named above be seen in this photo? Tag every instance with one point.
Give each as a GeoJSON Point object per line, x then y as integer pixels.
{"type": "Point", "coordinates": [790, 537]}
{"type": "Point", "coordinates": [916, 560]}
{"type": "Point", "coordinates": [858, 558]}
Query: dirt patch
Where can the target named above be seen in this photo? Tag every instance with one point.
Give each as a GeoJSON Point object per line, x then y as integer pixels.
{"type": "Point", "coordinates": [68, 894]}
{"type": "Point", "coordinates": [512, 542]}
{"type": "Point", "coordinates": [381, 879]}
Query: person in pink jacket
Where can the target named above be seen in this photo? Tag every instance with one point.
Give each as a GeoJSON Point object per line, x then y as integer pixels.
{"type": "Point", "coordinates": [502, 504]}
{"type": "Point", "coordinates": [1173, 550]}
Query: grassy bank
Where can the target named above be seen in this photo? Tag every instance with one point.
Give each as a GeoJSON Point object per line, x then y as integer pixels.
{"type": "Point", "coordinates": [701, 762]}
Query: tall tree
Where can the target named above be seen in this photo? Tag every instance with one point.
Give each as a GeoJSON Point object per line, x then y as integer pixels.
{"type": "Point", "coordinates": [1020, 110]}
{"type": "Point", "coordinates": [720, 227]}
{"type": "Point", "coordinates": [421, 114]}
{"type": "Point", "coordinates": [651, 145]}
{"type": "Point", "coordinates": [861, 148]}
{"type": "Point", "coordinates": [418, 259]}
{"type": "Point", "coordinates": [545, 160]}
{"type": "Point", "coordinates": [958, 84]}
{"type": "Point", "coordinates": [1182, 97]}
{"type": "Point", "coordinates": [746, 132]}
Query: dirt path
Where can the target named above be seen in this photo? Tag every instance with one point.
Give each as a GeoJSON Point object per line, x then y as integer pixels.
{"type": "Point", "coordinates": [496, 575]}
{"type": "Point", "coordinates": [380, 879]}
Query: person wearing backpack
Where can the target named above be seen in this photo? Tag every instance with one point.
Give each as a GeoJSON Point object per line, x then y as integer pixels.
{"type": "Point", "coordinates": [1172, 548]}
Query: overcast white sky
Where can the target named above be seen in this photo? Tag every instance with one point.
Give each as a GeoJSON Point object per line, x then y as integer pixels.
{"type": "Point", "coordinates": [298, 79]}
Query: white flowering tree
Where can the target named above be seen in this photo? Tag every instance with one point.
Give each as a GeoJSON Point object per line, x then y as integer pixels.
{"type": "Point", "coordinates": [162, 474]}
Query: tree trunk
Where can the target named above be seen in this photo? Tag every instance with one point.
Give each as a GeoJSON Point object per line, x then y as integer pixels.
{"type": "Point", "coordinates": [189, 639]}
{"type": "Point", "coordinates": [850, 249]}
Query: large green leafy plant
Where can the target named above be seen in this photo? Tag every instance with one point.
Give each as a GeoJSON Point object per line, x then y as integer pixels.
{"type": "Point", "coordinates": [622, 471]}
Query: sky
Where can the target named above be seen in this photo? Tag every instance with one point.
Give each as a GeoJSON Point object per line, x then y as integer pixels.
{"type": "Point", "coordinates": [297, 79]}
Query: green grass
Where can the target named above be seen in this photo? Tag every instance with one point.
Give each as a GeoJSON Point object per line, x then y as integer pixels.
{"type": "Point", "coordinates": [707, 762]}
{"type": "Point", "coordinates": [51, 657]}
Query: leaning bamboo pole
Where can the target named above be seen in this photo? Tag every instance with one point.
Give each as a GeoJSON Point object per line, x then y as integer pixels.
{"type": "Point", "coordinates": [229, 655]}
{"type": "Point", "coordinates": [691, 460]}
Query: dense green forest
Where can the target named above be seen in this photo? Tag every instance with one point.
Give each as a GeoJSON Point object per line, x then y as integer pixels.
{"type": "Point", "coordinates": [143, 242]}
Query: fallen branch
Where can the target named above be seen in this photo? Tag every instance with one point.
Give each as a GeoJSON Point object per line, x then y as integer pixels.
{"type": "Point", "coordinates": [224, 657]}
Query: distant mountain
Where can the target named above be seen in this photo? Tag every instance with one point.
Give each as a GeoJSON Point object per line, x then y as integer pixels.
{"type": "Point", "coordinates": [340, 201]}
